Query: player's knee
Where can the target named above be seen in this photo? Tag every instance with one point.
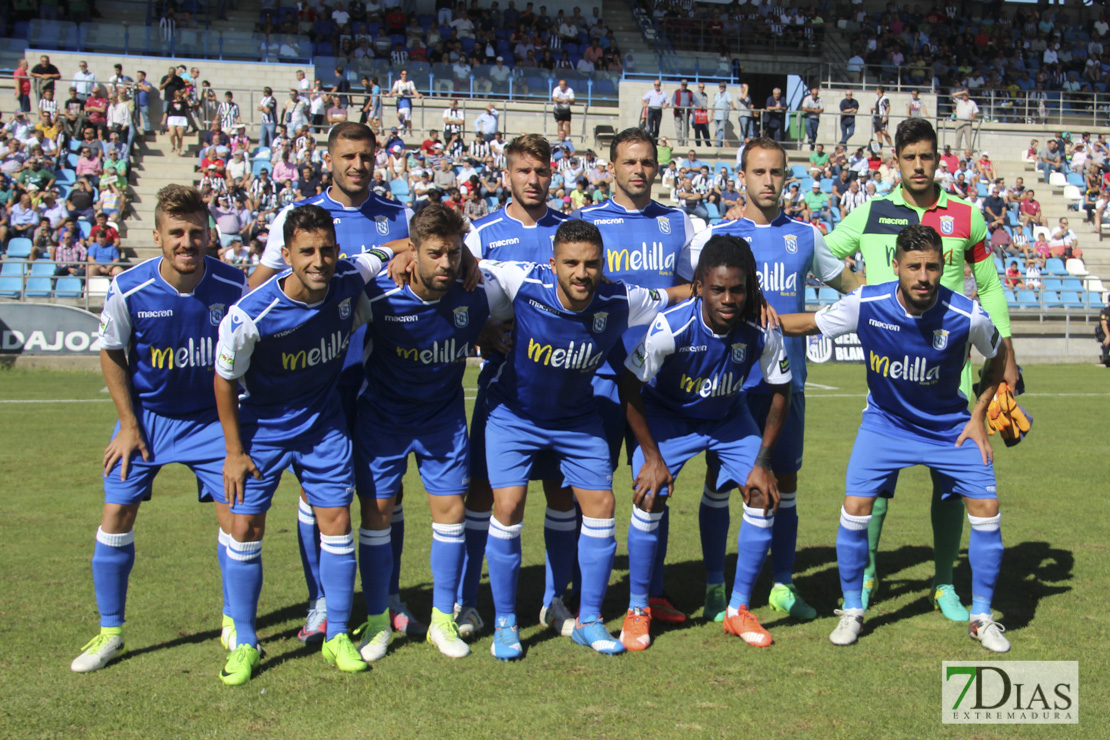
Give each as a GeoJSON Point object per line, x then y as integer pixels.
{"type": "Point", "coordinates": [447, 509]}
{"type": "Point", "coordinates": [757, 500]}
{"type": "Point", "coordinates": [658, 505]}
{"type": "Point", "coordinates": [248, 527]}
{"type": "Point", "coordinates": [375, 513]}
{"type": "Point", "coordinates": [118, 518]}
{"type": "Point", "coordinates": [596, 504]}
{"type": "Point", "coordinates": [982, 507]}
{"type": "Point", "coordinates": [333, 520]}
{"type": "Point", "coordinates": [559, 498]}
{"type": "Point", "coordinates": [858, 505]}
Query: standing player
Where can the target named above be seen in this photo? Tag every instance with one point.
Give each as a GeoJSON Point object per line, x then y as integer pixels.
{"type": "Point", "coordinates": [157, 340]}
{"type": "Point", "coordinates": [522, 231]}
{"type": "Point", "coordinates": [880, 116]}
{"type": "Point", "coordinates": [643, 241]}
{"type": "Point", "coordinates": [917, 335]}
{"type": "Point", "coordinates": [694, 359]}
{"type": "Point", "coordinates": [283, 344]}
{"type": "Point", "coordinates": [567, 322]}
{"type": "Point", "coordinates": [362, 220]}
{"type": "Point", "coordinates": [872, 230]}
{"type": "Point", "coordinates": [785, 251]}
{"type": "Point", "coordinates": [418, 339]}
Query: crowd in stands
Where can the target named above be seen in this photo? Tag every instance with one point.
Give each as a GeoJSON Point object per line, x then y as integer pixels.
{"type": "Point", "coordinates": [64, 167]}
{"type": "Point", "coordinates": [737, 27]}
{"type": "Point", "coordinates": [1016, 58]}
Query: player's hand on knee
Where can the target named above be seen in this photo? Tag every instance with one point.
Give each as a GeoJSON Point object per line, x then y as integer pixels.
{"type": "Point", "coordinates": [126, 443]}
{"type": "Point", "coordinates": [762, 490]}
{"type": "Point", "coordinates": [977, 433]}
{"type": "Point", "coordinates": [654, 477]}
{"type": "Point", "coordinates": [236, 469]}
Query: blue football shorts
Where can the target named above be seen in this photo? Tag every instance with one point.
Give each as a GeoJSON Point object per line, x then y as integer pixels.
{"type": "Point", "coordinates": [513, 444]}
{"type": "Point", "coordinates": [787, 455]}
{"type": "Point", "coordinates": [545, 466]}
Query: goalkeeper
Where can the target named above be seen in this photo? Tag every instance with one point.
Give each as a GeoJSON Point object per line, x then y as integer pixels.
{"type": "Point", "coordinates": [872, 229]}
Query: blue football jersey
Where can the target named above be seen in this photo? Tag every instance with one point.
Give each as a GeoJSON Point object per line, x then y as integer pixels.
{"type": "Point", "coordinates": [641, 248]}
{"type": "Point", "coordinates": [499, 236]}
{"type": "Point", "coordinates": [785, 251]}
{"type": "Point", "coordinates": [914, 363]}
{"type": "Point", "coordinates": [556, 352]}
{"type": "Point", "coordinates": [416, 350]}
{"type": "Point", "coordinates": [287, 355]}
{"type": "Point", "coordinates": [170, 337]}
{"type": "Point", "coordinates": [375, 222]}
{"type": "Point", "coordinates": [695, 373]}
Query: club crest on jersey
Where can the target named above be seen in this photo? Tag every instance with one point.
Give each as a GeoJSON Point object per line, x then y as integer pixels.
{"type": "Point", "coordinates": [462, 317]}
{"type": "Point", "coordinates": [940, 339]}
{"type": "Point", "coordinates": [601, 318]}
{"type": "Point", "coordinates": [345, 308]}
{"type": "Point", "coordinates": [947, 225]}
{"type": "Point", "coordinates": [664, 224]}
{"type": "Point", "coordinates": [381, 223]}
{"type": "Point", "coordinates": [791, 243]}
{"type": "Point", "coordinates": [739, 352]}
{"type": "Point", "coordinates": [216, 313]}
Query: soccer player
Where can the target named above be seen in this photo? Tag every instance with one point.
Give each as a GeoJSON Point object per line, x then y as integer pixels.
{"type": "Point", "coordinates": [643, 241]}
{"type": "Point", "coordinates": [418, 339]}
{"type": "Point", "coordinates": [521, 231]}
{"type": "Point", "coordinates": [872, 230]}
{"type": "Point", "coordinates": [567, 322]}
{"type": "Point", "coordinates": [694, 360]}
{"type": "Point", "coordinates": [157, 351]}
{"type": "Point", "coordinates": [284, 345]}
{"type": "Point", "coordinates": [785, 252]}
{"type": "Point", "coordinates": [917, 334]}
{"type": "Point", "coordinates": [362, 221]}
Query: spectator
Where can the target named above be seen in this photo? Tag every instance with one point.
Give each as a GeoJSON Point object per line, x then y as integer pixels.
{"type": "Point", "coordinates": [985, 168]}
{"type": "Point", "coordinates": [175, 121]}
{"type": "Point", "coordinates": [1064, 243]}
{"type": "Point", "coordinates": [96, 111]}
{"type": "Point", "coordinates": [848, 108]}
{"type": "Point", "coordinates": [111, 202]}
{"type": "Point", "coordinates": [682, 100]}
{"type": "Point", "coordinates": [119, 114]}
{"type": "Point", "coordinates": [81, 199]}
{"type": "Point", "coordinates": [880, 116]}
{"type": "Point", "coordinates": [43, 75]}
{"type": "Point", "coordinates": [563, 98]}
{"type": "Point", "coordinates": [722, 105]}
{"type": "Point", "coordinates": [818, 161]}
{"type": "Point", "coordinates": [774, 115]}
{"type": "Point", "coordinates": [444, 177]}
{"type": "Point", "coordinates": [24, 217]}
{"type": "Point", "coordinates": [745, 113]}
{"type": "Point", "coordinates": [103, 258]}
{"type": "Point", "coordinates": [812, 108]}
{"type": "Point", "coordinates": [454, 122]}
{"type": "Point", "coordinates": [404, 90]}
{"type": "Point", "coordinates": [296, 110]}
{"type": "Point", "coordinates": [70, 256]}
{"type": "Point", "coordinates": [690, 199]}
{"type": "Point", "coordinates": [1102, 332]}
{"type": "Point", "coordinates": [966, 112]}
{"type": "Point", "coordinates": [485, 126]}
{"type": "Point", "coordinates": [22, 86]}
{"type": "Point", "coordinates": [655, 100]}
{"type": "Point", "coordinates": [817, 204]}
{"type": "Point", "coordinates": [84, 81]}
{"type": "Point", "coordinates": [1050, 159]}
{"type": "Point", "coordinates": [994, 209]}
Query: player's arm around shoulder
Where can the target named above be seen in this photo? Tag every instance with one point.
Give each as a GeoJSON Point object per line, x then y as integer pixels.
{"type": "Point", "coordinates": [838, 319]}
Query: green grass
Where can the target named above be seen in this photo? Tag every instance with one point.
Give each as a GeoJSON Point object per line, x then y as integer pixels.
{"type": "Point", "coordinates": [1053, 597]}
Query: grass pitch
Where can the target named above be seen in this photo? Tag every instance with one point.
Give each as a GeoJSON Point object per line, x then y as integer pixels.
{"type": "Point", "coordinates": [1052, 597]}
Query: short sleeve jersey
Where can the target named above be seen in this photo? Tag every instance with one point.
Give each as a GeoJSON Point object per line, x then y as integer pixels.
{"type": "Point", "coordinates": [556, 352]}
{"type": "Point", "coordinates": [785, 251]}
{"type": "Point", "coordinates": [416, 350]}
{"type": "Point", "coordinates": [873, 227]}
{"type": "Point", "coordinates": [170, 337]}
{"type": "Point", "coordinates": [695, 373]}
{"type": "Point", "coordinates": [501, 237]}
{"type": "Point", "coordinates": [288, 355]}
{"type": "Point", "coordinates": [914, 363]}
{"type": "Point", "coordinates": [641, 248]}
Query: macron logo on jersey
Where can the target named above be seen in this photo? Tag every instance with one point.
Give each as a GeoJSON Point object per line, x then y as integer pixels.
{"type": "Point", "coordinates": [164, 313]}
{"type": "Point", "coordinates": [884, 325]}
{"type": "Point", "coordinates": [330, 347]}
{"type": "Point", "coordinates": [915, 370]}
{"type": "Point", "coordinates": [582, 357]}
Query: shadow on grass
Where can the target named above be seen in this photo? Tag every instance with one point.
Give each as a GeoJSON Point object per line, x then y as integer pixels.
{"type": "Point", "coordinates": [1031, 571]}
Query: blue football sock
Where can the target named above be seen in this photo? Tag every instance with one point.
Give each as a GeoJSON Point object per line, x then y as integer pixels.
{"type": "Point", "coordinates": [784, 539]}
{"type": "Point", "coordinates": [308, 537]}
{"type": "Point", "coordinates": [985, 554]}
{"type": "Point", "coordinates": [851, 556]}
{"type": "Point", "coordinates": [397, 538]}
{"type": "Point", "coordinates": [244, 584]}
{"type": "Point", "coordinates": [576, 571]}
{"type": "Point", "coordinates": [558, 540]}
{"type": "Point", "coordinates": [503, 557]}
{"type": "Point", "coordinates": [221, 557]}
{"type": "Point", "coordinates": [643, 542]}
{"type": "Point", "coordinates": [477, 531]}
{"type": "Point", "coordinates": [664, 531]}
{"type": "Point", "coordinates": [448, 548]}
{"type": "Point", "coordinates": [713, 520]}
{"type": "Point", "coordinates": [112, 560]}
{"type": "Point", "coordinates": [337, 574]}
{"type": "Point", "coordinates": [375, 563]}
{"type": "Point", "coordinates": [597, 545]}
{"type": "Point", "coordinates": [752, 543]}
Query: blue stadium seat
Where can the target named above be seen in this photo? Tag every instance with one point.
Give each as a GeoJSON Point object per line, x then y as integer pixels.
{"type": "Point", "coordinates": [712, 210]}
{"type": "Point", "coordinates": [1071, 299]}
{"type": "Point", "coordinates": [811, 295]}
{"type": "Point", "coordinates": [1052, 283]}
{"type": "Point", "coordinates": [258, 165]}
{"type": "Point", "coordinates": [1055, 266]}
{"type": "Point", "coordinates": [85, 228]}
{"type": "Point", "coordinates": [1094, 298]}
{"type": "Point", "coordinates": [11, 285]}
{"type": "Point", "coordinates": [799, 171]}
{"type": "Point", "coordinates": [826, 295]}
{"type": "Point", "coordinates": [42, 268]}
{"type": "Point", "coordinates": [998, 266]}
{"type": "Point", "coordinates": [38, 287]}
{"type": "Point", "coordinates": [1027, 299]}
{"type": "Point", "coordinates": [1076, 179]}
{"type": "Point", "coordinates": [1051, 299]}
{"type": "Point", "coordinates": [1010, 299]}
{"type": "Point", "coordinates": [1073, 284]}
{"type": "Point", "coordinates": [72, 158]}
{"type": "Point", "coordinates": [19, 248]}
{"type": "Point", "coordinates": [400, 189]}
{"type": "Point", "coordinates": [68, 287]}
{"type": "Point", "coordinates": [826, 185]}
{"type": "Point", "coordinates": [262, 153]}
{"type": "Point", "coordinates": [66, 177]}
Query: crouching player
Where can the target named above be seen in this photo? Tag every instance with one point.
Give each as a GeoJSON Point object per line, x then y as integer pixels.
{"type": "Point", "coordinates": [157, 340]}
{"type": "Point", "coordinates": [694, 360]}
{"type": "Point", "coordinates": [567, 322]}
{"type": "Point", "coordinates": [916, 335]}
{"type": "Point", "coordinates": [418, 339]}
{"type": "Point", "coordinates": [284, 344]}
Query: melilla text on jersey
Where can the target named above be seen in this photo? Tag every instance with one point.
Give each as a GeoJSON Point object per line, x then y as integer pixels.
{"type": "Point", "coordinates": [775, 278]}
{"type": "Point", "coordinates": [440, 353]}
{"type": "Point", "coordinates": [582, 356]}
{"type": "Point", "coordinates": [915, 369]}
{"type": "Point", "coordinates": [653, 257]}
{"type": "Point", "coordinates": [330, 348]}
{"type": "Point", "coordinates": [715, 386]}
{"type": "Point", "coordinates": [194, 354]}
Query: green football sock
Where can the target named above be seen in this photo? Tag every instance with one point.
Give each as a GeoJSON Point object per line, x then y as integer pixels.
{"type": "Point", "coordinates": [874, 532]}
{"type": "Point", "coordinates": [948, 531]}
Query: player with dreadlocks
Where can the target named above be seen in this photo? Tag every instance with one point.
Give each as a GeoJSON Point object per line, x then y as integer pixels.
{"type": "Point", "coordinates": [681, 391]}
